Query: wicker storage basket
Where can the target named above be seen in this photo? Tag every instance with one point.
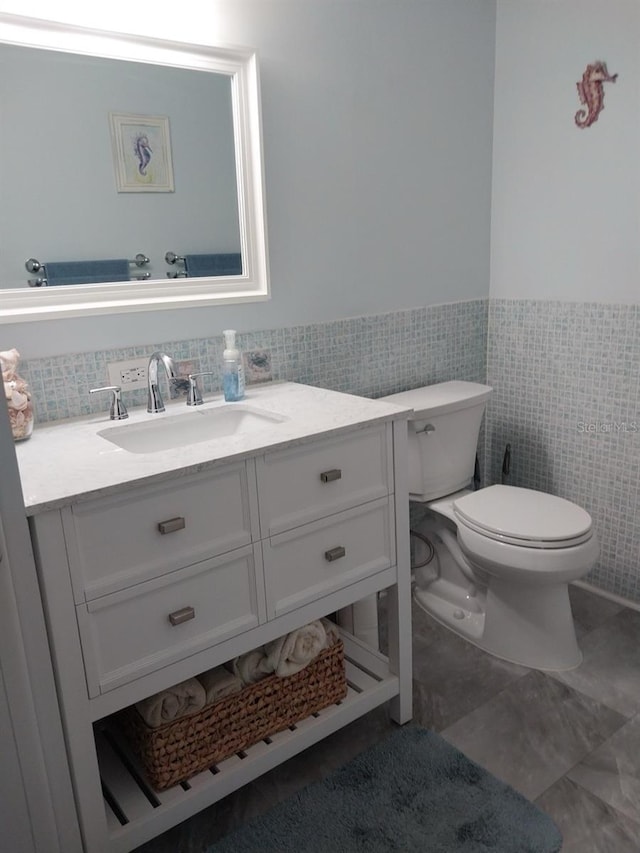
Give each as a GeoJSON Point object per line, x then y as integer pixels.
{"type": "Point", "coordinates": [177, 750]}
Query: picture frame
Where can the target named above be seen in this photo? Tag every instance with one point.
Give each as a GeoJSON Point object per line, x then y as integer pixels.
{"type": "Point", "coordinates": [141, 153]}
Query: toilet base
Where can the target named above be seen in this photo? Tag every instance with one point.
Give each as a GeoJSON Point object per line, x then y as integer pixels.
{"type": "Point", "coordinates": [526, 624]}
{"type": "Point", "coordinates": [463, 621]}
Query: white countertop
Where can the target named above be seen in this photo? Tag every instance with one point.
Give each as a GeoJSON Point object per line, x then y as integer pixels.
{"type": "Point", "coordinates": [68, 461]}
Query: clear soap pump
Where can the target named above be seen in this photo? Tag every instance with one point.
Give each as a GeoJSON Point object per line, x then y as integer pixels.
{"type": "Point", "coordinates": [232, 370]}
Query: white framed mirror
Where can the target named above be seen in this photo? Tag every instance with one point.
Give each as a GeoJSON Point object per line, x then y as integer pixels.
{"type": "Point", "coordinates": [65, 192]}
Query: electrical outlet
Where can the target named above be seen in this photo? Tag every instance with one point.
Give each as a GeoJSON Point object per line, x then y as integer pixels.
{"type": "Point", "coordinates": [129, 374]}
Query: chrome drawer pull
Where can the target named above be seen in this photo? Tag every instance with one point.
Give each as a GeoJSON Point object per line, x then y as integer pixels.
{"type": "Point", "coordinates": [329, 476]}
{"type": "Point", "coordinates": [334, 553]}
{"type": "Point", "coordinates": [171, 525]}
{"type": "Point", "coordinates": [183, 615]}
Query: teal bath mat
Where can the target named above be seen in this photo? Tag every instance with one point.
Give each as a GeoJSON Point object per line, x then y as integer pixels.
{"type": "Point", "coordinates": [414, 793]}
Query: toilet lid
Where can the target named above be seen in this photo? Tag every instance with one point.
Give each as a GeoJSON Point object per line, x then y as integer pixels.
{"type": "Point", "coordinates": [523, 517]}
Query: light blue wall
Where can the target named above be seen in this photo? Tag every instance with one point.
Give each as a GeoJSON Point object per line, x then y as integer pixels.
{"type": "Point", "coordinates": [566, 200]}
{"type": "Point", "coordinates": [377, 138]}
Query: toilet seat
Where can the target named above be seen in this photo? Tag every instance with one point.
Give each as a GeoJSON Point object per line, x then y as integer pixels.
{"type": "Point", "coordinates": [523, 517]}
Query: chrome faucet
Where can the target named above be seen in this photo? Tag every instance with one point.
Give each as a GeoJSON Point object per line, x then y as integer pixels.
{"type": "Point", "coordinates": [154, 400]}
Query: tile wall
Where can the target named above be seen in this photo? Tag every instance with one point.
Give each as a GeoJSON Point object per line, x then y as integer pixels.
{"type": "Point", "coordinates": [370, 355]}
{"type": "Point", "coordinates": [566, 379]}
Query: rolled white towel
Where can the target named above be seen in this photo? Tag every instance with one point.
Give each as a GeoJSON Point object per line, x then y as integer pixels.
{"type": "Point", "coordinates": [332, 631]}
{"type": "Point", "coordinates": [251, 666]}
{"type": "Point", "coordinates": [291, 653]}
{"type": "Point", "coordinates": [182, 699]}
{"type": "Point", "coordinates": [218, 683]}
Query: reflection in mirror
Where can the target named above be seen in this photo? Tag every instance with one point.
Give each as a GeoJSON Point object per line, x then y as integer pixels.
{"type": "Point", "coordinates": [61, 196]}
{"type": "Point", "coordinates": [131, 164]}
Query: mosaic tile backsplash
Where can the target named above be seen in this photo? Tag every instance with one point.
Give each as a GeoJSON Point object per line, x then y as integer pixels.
{"type": "Point", "coordinates": [371, 356]}
{"type": "Point", "coordinates": [566, 379]}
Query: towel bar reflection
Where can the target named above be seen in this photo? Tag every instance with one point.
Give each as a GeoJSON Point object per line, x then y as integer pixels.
{"type": "Point", "coordinates": [171, 258]}
{"type": "Point", "coordinates": [207, 264]}
{"type": "Point", "coordinates": [34, 265]}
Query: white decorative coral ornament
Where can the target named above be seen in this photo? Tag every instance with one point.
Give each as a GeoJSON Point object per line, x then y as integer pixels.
{"type": "Point", "coordinates": [17, 395]}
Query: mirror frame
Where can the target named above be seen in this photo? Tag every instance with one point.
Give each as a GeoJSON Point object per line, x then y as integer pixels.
{"type": "Point", "coordinates": [241, 66]}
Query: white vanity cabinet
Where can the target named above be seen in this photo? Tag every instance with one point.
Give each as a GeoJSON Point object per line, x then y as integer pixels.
{"type": "Point", "coordinates": [152, 583]}
{"type": "Point", "coordinates": [162, 572]}
{"type": "Point", "coordinates": [326, 515]}
{"type": "Point", "coordinates": [134, 632]}
{"type": "Point", "coordinates": [123, 540]}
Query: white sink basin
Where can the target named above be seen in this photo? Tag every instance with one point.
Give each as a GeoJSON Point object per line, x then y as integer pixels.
{"type": "Point", "coordinates": [167, 432]}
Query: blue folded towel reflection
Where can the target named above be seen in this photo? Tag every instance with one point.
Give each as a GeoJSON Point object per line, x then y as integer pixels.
{"type": "Point", "coordinates": [86, 272]}
{"type": "Point", "coordinates": [219, 264]}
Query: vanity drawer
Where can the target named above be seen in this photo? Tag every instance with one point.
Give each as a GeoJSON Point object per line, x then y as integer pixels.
{"type": "Point", "coordinates": [300, 485]}
{"type": "Point", "coordinates": [114, 543]}
{"type": "Point", "coordinates": [317, 559]}
{"type": "Point", "coordinates": [132, 633]}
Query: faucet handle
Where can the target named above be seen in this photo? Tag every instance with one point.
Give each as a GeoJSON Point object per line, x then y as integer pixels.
{"type": "Point", "coordinates": [117, 410]}
{"type": "Point", "coordinates": [194, 397]}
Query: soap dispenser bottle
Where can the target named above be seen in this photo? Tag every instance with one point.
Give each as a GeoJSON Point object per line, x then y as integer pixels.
{"type": "Point", "coordinates": [232, 370]}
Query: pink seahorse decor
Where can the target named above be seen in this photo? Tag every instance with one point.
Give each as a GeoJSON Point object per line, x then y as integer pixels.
{"type": "Point", "coordinates": [591, 93]}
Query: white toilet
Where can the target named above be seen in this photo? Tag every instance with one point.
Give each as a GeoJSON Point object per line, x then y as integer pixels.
{"type": "Point", "coordinates": [499, 559]}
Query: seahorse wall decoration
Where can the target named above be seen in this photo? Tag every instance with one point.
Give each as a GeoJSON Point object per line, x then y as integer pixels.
{"type": "Point", "coordinates": [591, 93]}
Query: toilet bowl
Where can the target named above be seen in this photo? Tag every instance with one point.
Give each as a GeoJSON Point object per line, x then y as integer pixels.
{"type": "Point", "coordinates": [503, 556]}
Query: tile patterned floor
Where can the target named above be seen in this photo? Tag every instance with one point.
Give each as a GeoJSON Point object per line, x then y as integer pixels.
{"type": "Point", "coordinates": [570, 742]}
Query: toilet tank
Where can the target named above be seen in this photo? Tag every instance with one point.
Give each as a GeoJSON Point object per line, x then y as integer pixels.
{"type": "Point", "coordinates": [443, 436]}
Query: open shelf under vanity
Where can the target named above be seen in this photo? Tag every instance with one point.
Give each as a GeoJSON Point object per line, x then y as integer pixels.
{"type": "Point", "coordinates": [136, 812]}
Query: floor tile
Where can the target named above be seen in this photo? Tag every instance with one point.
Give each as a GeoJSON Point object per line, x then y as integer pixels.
{"type": "Point", "coordinates": [612, 772]}
{"type": "Point", "coordinates": [587, 824]}
{"type": "Point", "coordinates": [610, 670]}
{"type": "Point", "coordinates": [452, 677]}
{"type": "Point", "coordinates": [424, 629]}
{"type": "Point", "coordinates": [533, 732]}
{"type": "Point", "coordinates": [590, 610]}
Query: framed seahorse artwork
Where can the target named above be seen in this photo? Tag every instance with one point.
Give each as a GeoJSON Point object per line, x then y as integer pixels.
{"type": "Point", "coordinates": [141, 153]}
{"type": "Point", "coordinates": [591, 93]}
